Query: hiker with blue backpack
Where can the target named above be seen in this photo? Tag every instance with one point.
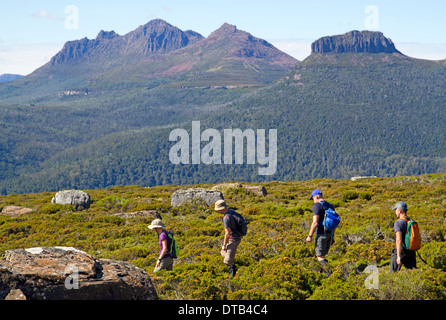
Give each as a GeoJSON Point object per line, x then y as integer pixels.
{"type": "Point", "coordinates": [325, 221]}
{"type": "Point", "coordinates": [235, 228]}
{"type": "Point", "coordinates": [168, 247]}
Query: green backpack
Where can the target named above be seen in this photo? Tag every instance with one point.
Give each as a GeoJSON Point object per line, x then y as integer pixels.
{"type": "Point", "coordinates": [174, 250]}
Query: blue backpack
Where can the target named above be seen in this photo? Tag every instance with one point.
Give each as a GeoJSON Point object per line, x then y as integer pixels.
{"type": "Point", "coordinates": [331, 219]}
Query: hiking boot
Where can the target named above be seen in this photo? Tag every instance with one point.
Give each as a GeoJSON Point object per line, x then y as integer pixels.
{"type": "Point", "coordinates": [326, 267]}
{"type": "Point", "coordinates": [232, 270]}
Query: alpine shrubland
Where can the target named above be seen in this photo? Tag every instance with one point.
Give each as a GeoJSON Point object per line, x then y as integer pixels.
{"type": "Point", "coordinates": [274, 262]}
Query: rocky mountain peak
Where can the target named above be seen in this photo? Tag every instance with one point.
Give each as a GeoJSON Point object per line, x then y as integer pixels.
{"type": "Point", "coordinates": [225, 31]}
{"type": "Point", "coordinates": [157, 36]}
{"type": "Point", "coordinates": [354, 41]}
{"type": "Point", "coordinates": [108, 35]}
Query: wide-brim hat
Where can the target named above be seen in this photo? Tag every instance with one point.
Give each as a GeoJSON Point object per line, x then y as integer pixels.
{"type": "Point", "coordinates": [157, 223]}
{"type": "Point", "coordinates": [220, 205]}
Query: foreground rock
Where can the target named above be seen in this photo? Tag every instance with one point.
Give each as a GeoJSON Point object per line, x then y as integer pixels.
{"type": "Point", "coordinates": [208, 196]}
{"type": "Point", "coordinates": [79, 199]}
{"type": "Point", "coordinates": [64, 273]}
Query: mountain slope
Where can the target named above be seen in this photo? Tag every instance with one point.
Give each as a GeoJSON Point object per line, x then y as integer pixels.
{"type": "Point", "coordinates": [9, 77]}
{"type": "Point", "coordinates": [153, 54]}
{"type": "Point", "coordinates": [228, 57]}
{"type": "Point", "coordinates": [81, 62]}
{"type": "Point", "coordinates": [337, 115]}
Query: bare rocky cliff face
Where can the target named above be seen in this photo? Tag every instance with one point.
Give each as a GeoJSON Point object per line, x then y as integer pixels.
{"type": "Point", "coordinates": [157, 36]}
{"type": "Point", "coordinates": [354, 42]}
{"type": "Point", "coordinates": [65, 273]}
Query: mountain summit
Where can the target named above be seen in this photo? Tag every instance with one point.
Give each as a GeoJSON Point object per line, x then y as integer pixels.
{"type": "Point", "coordinates": [354, 42]}
{"type": "Point", "coordinates": [157, 36]}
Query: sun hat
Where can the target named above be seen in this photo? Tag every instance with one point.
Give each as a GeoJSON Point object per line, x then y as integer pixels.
{"type": "Point", "coordinates": [157, 223]}
{"type": "Point", "coordinates": [315, 192]}
{"type": "Point", "coordinates": [400, 205]}
{"type": "Point", "coordinates": [220, 205]}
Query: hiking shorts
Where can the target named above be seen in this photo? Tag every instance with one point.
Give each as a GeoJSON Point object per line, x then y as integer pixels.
{"type": "Point", "coordinates": [229, 254]}
{"type": "Point", "coordinates": [322, 243]}
{"type": "Point", "coordinates": [165, 264]}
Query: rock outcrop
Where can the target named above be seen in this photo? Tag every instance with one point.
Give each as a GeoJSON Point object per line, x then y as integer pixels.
{"type": "Point", "coordinates": [257, 190]}
{"type": "Point", "coordinates": [362, 177]}
{"type": "Point", "coordinates": [15, 211]}
{"type": "Point", "coordinates": [353, 42]}
{"type": "Point", "coordinates": [207, 196]}
{"type": "Point", "coordinates": [141, 214]}
{"type": "Point", "coordinates": [79, 199]}
{"type": "Point", "coordinates": [65, 273]}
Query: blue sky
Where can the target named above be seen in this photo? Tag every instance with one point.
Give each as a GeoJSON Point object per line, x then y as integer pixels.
{"type": "Point", "coordinates": [31, 32]}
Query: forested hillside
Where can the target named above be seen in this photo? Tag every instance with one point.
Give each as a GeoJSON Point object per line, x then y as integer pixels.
{"type": "Point", "coordinates": [337, 115]}
{"type": "Point", "coordinates": [274, 262]}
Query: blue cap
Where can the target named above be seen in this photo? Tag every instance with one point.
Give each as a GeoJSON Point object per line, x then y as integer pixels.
{"type": "Point", "coordinates": [401, 205]}
{"type": "Point", "coordinates": [315, 193]}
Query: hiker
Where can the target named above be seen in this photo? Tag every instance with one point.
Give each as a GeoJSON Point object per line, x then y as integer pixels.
{"type": "Point", "coordinates": [324, 238]}
{"type": "Point", "coordinates": [165, 261]}
{"type": "Point", "coordinates": [232, 237]}
{"type": "Point", "coordinates": [401, 256]}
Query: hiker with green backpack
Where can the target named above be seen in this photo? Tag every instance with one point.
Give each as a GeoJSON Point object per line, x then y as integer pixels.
{"type": "Point", "coordinates": [408, 240]}
{"type": "Point", "coordinates": [235, 228]}
{"type": "Point", "coordinates": [169, 249]}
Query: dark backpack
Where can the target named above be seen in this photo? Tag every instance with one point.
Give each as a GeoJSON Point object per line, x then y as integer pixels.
{"type": "Point", "coordinates": [241, 226]}
{"type": "Point", "coordinates": [331, 218]}
{"type": "Point", "coordinates": [174, 250]}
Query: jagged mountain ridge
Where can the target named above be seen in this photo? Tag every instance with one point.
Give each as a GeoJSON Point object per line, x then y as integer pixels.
{"type": "Point", "coordinates": [157, 36]}
{"type": "Point", "coordinates": [159, 49]}
{"type": "Point", "coordinates": [227, 57]}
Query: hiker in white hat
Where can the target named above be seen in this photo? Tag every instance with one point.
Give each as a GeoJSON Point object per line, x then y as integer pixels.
{"type": "Point", "coordinates": [165, 261]}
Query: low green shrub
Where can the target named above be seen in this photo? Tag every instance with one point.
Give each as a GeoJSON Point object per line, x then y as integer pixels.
{"type": "Point", "coordinates": [349, 195]}
{"type": "Point", "coordinates": [52, 208]}
{"type": "Point", "coordinates": [434, 253]}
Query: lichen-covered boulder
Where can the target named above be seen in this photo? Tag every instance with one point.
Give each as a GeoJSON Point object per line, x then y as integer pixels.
{"type": "Point", "coordinates": [78, 198]}
{"type": "Point", "coordinates": [65, 273]}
